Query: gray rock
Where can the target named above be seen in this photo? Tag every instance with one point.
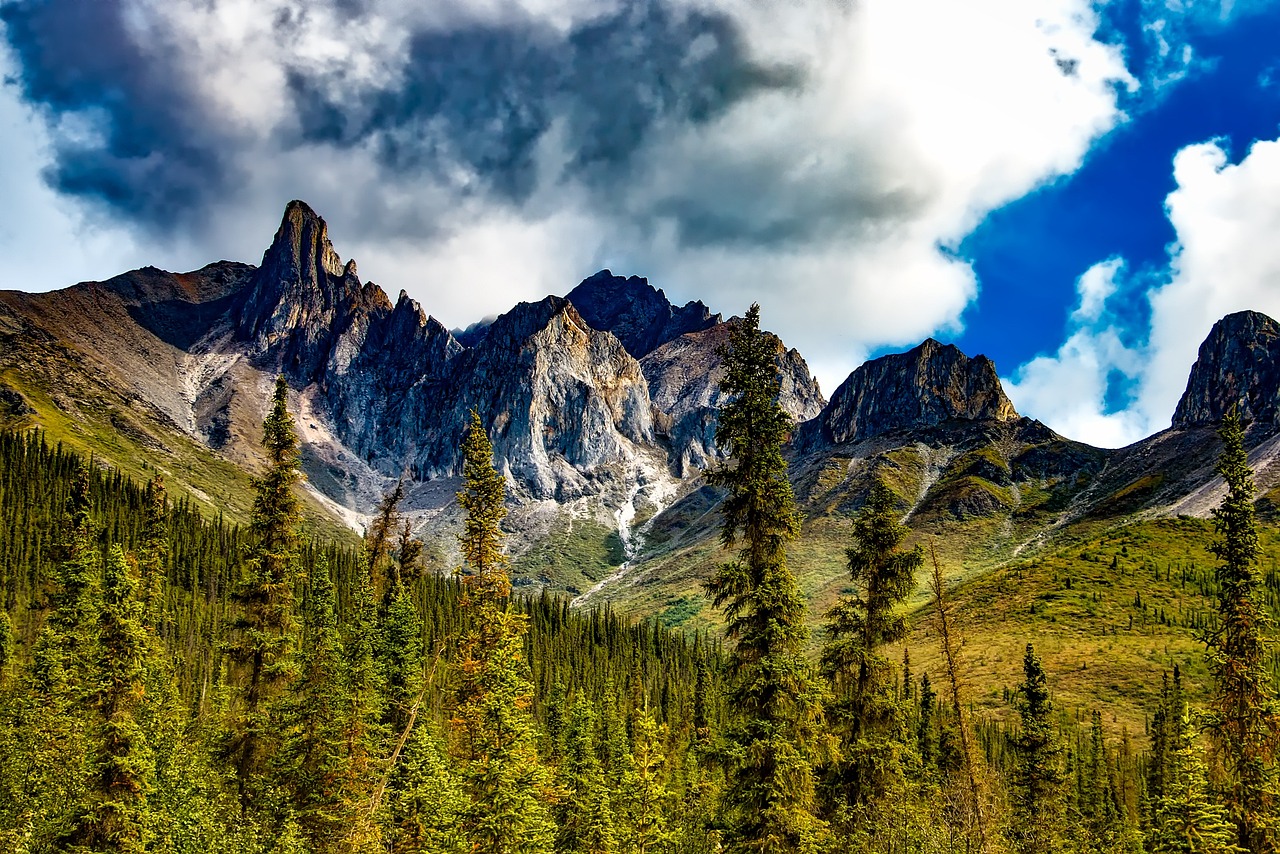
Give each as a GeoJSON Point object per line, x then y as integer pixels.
{"type": "Point", "coordinates": [923, 387]}
{"type": "Point", "coordinates": [1238, 365]}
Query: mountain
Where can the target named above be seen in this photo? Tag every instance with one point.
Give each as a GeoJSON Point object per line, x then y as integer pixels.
{"type": "Point", "coordinates": [919, 389]}
{"type": "Point", "coordinates": [602, 405]}
{"type": "Point", "coordinates": [639, 315]}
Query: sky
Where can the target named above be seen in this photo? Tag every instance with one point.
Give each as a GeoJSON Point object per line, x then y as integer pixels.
{"type": "Point", "coordinates": [1076, 189]}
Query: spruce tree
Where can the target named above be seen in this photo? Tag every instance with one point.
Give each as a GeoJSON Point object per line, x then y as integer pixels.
{"type": "Point", "coordinates": [153, 555]}
{"type": "Point", "coordinates": [491, 726]}
{"type": "Point", "coordinates": [586, 823]}
{"type": "Point", "coordinates": [327, 797]}
{"type": "Point", "coordinates": [862, 680]}
{"type": "Point", "coordinates": [1187, 819]}
{"type": "Point", "coordinates": [1243, 717]}
{"type": "Point", "coordinates": [645, 825]}
{"type": "Point", "coordinates": [428, 800]}
{"type": "Point", "coordinates": [770, 800]}
{"type": "Point", "coordinates": [263, 631]}
{"type": "Point", "coordinates": [1037, 796]}
{"type": "Point", "coordinates": [114, 816]}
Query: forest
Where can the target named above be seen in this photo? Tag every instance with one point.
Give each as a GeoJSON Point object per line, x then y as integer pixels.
{"type": "Point", "coordinates": [175, 683]}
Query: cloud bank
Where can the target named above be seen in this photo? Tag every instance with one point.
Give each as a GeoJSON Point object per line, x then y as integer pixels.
{"type": "Point", "coordinates": [819, 156]}
{"type": "Point", "coordinates": [1226, 215]}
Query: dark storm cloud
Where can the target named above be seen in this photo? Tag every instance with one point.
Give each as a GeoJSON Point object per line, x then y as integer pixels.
{"type": "Point", "coordinates": [469, 105]}
{"type": "Point", "coordinates": [151, 149]}
{"type": "Point", "coordinates": [486, 95]}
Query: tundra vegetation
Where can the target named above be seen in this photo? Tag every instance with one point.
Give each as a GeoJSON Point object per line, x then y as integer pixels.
{"type": "Point", "coordinates": [173, 683]}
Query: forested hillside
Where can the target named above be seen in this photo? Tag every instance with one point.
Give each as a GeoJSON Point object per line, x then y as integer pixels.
{"type": "Point", "coordinates": [172, 683]}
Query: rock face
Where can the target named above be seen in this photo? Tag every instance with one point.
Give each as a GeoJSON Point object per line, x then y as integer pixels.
{"type": "Point", "coordinates": [920, 388]}
{"type": "Point", "coordinates": [684, 383]}
{"type": "Point", "coordinates": [641, 316]}
{"type": "Point", "coordinates": [1238, 365]}
{"type": "Point", "coordinates": [562, 399]}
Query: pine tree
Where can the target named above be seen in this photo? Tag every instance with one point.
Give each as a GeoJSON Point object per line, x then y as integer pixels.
{"type": "Point", "coordinates": [645, 797]}
{"type": "Point", "coordinates": [1038, 809]}
{"type": "Point", "coordinates": [314, 763]}
{"type": "Point", "coordinates": [153, 555]}
{"type": "Point", "coordinates": [492, 730]}
{"type": "Point", "coordinates": [770, 801]}
{"type": "Point", "coordinates": [264, 628]}
{"type": "Point", "coordinates": [1243, 717]}
{"type": "Point", "coordinates": [585, 817]}
{"type": "Point", "coordinates": [1187, 820]}
{"type": "Point", "coordinates": [428, 800]}
{"type": "Point", "coordinates": [114, 816]}
{"type": "Point", "coordinates": [861, 678]}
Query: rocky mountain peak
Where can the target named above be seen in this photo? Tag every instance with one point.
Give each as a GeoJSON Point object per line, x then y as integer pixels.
{"type": "Point", "coordinates": [301, 281]}
{"type": "Point", "coordinates": [639, 314]}
{"type": "Point", "coordinates": [921, 388]}
{"type": "Point", "coordinates": [684, 378]}
{"type": "Point", "coordinates": [1238, 365]}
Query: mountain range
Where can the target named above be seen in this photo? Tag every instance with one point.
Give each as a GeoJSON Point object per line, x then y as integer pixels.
{"type": "Point", "coordinates": [602, 409]}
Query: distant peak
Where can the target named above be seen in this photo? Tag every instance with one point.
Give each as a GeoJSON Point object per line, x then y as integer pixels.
{"type": "Point", "coordinates": [1238, 365]}
{"type": "Point", "coordinates": [639, 314]}
{"type": "Point", "coordinates": [927, 385]}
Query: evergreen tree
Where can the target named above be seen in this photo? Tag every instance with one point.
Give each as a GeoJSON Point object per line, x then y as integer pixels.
{"type": "Point", "coordinates": [264, 628]}
{"type": "Point", "coordinates": [1038, 809]}
{"type": "Point", "coordinates": [1187, 820]}
{"type": "Point", "coordinates": [399, 653]}
{"type": "Point", "coordinates": [153, 553]}
{"type": "Point", "coordinates": [428, 800]}
{"type": "Point", "coordinates": [327, 799]}
{"type": "Point", "coordinates": [493, 734]}
{"type": "Point", "coordinates": [114, 816]}
{"type": "Point", "coordinates": [645, 797]}
{"type": "Point", "coordinates": [585, 818]}
{"type": "Point", "coordinates": [769, 804]}
{"type": "Point", "coordinates": [926, 737]}
{"type": "Point", "coordinates": [861, 678]}
{"type": "Point", "coordinates": [1243, 717]}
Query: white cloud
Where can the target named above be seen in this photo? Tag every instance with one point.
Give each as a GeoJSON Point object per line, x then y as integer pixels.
{"type": "Point", "coordinates": [1069, 390]}
{"type": "Point", "coordinates": [834, 205]}
{"type": "Point", "coordinates": [1226, 259]}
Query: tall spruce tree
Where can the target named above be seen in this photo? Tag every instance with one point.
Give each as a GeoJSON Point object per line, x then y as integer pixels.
{"type": "Point", "coordinates": [1242, 715]}
{"type": "Point", "coordinates": [1186, 818]}
{"type": "Point", "coordinates": [586, 820]}
{"type": "Point", "coordinates": [1037, 795]}
{"type": "Point", "coordinates": [328, 795]}
{"type": "Point", "coordinates": [862, 680]}
{"type": "Point", "coordinates": [492, 729]}
{"type": "Point", "coordinates": [264, 629]}
{"type": "Point", "coordinates": [153, 554]}
{"type": "Point", "coordinates": [114, 815]}
{"type": "Point", "coordinates": [769, 803]}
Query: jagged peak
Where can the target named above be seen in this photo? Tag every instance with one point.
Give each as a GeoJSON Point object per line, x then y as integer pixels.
{"type": "Point", "coordinates": [1238, 365]}
{"type": "Point", "coordinates": [923, 387]}
{"type": "Point", "coordinates": [639, 314]}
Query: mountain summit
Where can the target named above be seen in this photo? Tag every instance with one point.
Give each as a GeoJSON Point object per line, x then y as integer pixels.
{"type": "Point", "coordinates": [1238, 365]}
{"type": "Point", "coordinates": [639, 314]}
{"type": "Point", "coordinates": [918, 389]}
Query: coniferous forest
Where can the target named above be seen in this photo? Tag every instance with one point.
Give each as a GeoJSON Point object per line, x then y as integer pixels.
{"type": "Point", "coordinates": [174, 683]}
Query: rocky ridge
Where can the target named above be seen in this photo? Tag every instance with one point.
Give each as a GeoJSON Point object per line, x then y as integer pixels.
{"type": "Point", "coordinates": [602, 405]}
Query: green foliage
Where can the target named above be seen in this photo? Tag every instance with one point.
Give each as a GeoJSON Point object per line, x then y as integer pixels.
{"type": "Point", "coordinates": [586, 823]}
{"type": "Point", "coordinates": [770, 799]}
{"type": "Point", "coordinates": [1037, 796]}
{"type": "Point", "coordinates": [492, 730]}
{"type": "Point", "coordinates": [264, 640]}
{"type": "Point", "coordinates": [1243, 715]}
{"type": "Point", "coordinates": [866, 707]}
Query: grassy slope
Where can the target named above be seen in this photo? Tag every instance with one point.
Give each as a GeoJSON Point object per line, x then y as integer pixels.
{"type": "Point", "coordinates": [98, 421]}
{"type": "Point", "coordinates": [1108, 613]}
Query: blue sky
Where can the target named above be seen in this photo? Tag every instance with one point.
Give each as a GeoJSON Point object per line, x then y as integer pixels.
{"type": "Point", "coordinates": [1076, 189]}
